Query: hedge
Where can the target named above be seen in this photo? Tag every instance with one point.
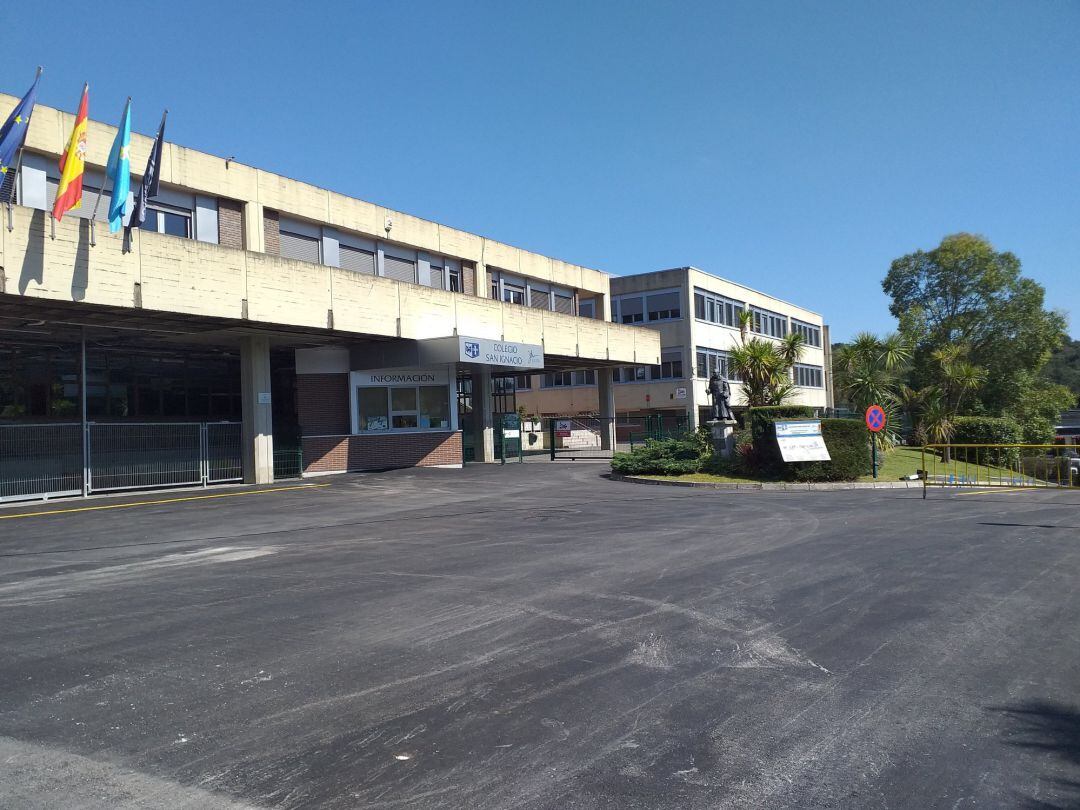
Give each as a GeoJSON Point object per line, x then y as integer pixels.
{"type": "Point", "coordinates": [849, 447]}
{"type": "Point", "coordinates": [766, 459]}
{"type": "Point", "coordinates": [987, 430]}
{"type": "Point", "coordinates": [847, 440]}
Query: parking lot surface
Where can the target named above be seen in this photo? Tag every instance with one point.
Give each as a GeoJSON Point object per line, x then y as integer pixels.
{"type": "Point", "coordinates": [537, 636]}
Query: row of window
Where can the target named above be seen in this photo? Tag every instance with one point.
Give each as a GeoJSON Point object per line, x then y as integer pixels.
{"type": "Point", "coordinates": [528, 293]}
{"type": "Point", "coordinates": [811, 333]}
{"type": "Point", "coordinates": [646, 307]}
{"type": "Point", "coordinates": [708, 361]}
{"type": "Point", "coordinates": [713, 308]}
{"type": "Point", "coordinates": [809, 376]}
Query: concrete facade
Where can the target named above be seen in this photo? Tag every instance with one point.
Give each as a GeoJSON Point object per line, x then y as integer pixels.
{"type": "Point", "coordinates": [244, 259]}
{"type": "Point", "coordinates": [640, 390]}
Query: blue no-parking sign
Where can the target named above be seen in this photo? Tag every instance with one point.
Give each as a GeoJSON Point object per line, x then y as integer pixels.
{"type": "Point", "coordinates": [875, 418]}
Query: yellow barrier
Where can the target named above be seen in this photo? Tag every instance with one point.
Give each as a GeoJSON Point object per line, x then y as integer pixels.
{"type": "Point", "coordinates": [1006, 466]}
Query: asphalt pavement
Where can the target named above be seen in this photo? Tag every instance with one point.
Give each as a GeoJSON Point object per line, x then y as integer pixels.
{"type": "Point", "coordinates": [537, 636]}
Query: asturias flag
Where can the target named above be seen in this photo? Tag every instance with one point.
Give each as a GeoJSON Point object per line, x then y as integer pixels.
{"type": "Point", "coordinates": [72, 163]}
{"type": "Point", "coordinates": [13, 132]}
{"type": "Point", "coordinates": [119, 170]}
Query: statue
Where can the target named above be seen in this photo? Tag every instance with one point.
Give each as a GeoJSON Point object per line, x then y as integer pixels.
{"type": "Point", "coordinates": [720, 392]}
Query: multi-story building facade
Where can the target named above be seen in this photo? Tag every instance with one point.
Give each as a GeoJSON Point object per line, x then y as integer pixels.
{"type": "Point", "coordinates": [697, 317]}
{"type": "Point", "coordinates": [369, 337]}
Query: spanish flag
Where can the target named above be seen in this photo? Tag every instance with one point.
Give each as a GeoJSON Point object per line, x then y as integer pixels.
{"type": "Point", "coordinates": [72, 163]}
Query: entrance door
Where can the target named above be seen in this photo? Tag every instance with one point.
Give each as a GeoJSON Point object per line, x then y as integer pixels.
{"type": "Point", "coordinates": [504, 405]}
{"type": "Point", "coordinates": [466, 419]}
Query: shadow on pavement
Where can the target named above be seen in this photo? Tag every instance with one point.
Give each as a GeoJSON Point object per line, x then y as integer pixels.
{"type": "Point", "coordinates": [1051, 729]}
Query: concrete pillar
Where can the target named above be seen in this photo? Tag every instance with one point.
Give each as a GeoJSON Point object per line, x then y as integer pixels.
{"type": "Point", "coordinates": [253, 227]}
{"type": "Point", "coordinates": [485, 425]}
{"type": "Point", "coordinates": [257, 443]}
{"type": "Point", "coordinates": [605, 391]}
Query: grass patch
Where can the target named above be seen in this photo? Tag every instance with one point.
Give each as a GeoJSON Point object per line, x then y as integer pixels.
{"type": "Point", "coordinates": [904, 461]}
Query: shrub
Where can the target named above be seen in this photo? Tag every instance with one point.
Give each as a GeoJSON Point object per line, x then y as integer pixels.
{"type": "Point", "coordinates": [849, 448]}
{"type": "Point", "coordinates": [662, 457]}
{"type": "Point", "coordinates": [760, 419]}
{"type": "Point", "coordinates": [987, 430]}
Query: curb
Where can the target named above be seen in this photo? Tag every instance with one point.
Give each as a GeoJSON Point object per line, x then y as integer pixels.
{"type": "Point", "coordinates": [774, 486]}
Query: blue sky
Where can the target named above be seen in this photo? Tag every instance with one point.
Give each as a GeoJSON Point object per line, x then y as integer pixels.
{"type": "Point", "coordinates": [797, 147]}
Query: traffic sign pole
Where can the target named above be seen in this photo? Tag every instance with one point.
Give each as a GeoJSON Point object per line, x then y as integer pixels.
{"type": "Point", "coordinates": [875, 423]}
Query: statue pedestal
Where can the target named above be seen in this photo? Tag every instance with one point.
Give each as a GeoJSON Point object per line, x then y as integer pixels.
{"type": "Point", "coordinates": [723, 437]}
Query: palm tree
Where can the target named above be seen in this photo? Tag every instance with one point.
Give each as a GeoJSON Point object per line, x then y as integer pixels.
{"type": "Point", "coordinates": [937, 423]}
{"type": "Point", "coordinates": [764, 368]}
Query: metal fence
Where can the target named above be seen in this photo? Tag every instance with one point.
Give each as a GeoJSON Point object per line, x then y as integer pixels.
{"type": "Point", "coordinates": [38, 460]}
{"type": "Point", "coordinates": [45, 461]}
{"type": "Point", "coordinates": [1006, 466]}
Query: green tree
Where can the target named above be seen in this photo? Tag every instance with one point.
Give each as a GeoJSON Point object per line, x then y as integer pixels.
{"type": "Point", "coordinates": [965, 293]}
{"type": "Point", "coordinates": [868, 370]}
{"type": "Point", "coordinates": [1064, 368]}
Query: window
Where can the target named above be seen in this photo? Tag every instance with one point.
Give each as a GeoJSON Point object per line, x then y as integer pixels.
{"type": "Point", "coordinates": [434, 407]}
{"type": "Point", "coordinates": [566, 379]}
{"type": "Point", "coordinates": [714, 360]}
{"type": "Point", "coordinates": [632, 310]}
{"type": "Point", "coordinates": [436, 278]}
{"type": "Point", "coordinates": [426, 407]}
{"type": "Point", "coordinates": [629, 374]}
{"type": "Point", "coordinates": [809, 376]}
{"type": "Point", "coordinates": [642, 307]}
{"type": "Point", "coordinates": [357, 260]}
{"type": "Point", "coordinates": [374, 414]}
{"type": "Point", "coordinates": [398, 268]}
{"type": "Point", "coordinates": [663, 306]}
{"type": "Point", "coordinates": [563, 303]}
{"type": "Point", "coordinates": [539, 298]}
{"type": "Point", "coordinates": [455, 279]}
{"type": "Point", "coordinates": [768, 323]}
{"type": "Point", "coordinates": [670, 367]}
{"type": "Point", "coordinates": [513, 294]}
{"type": "Point", "coordinates": [717, 309]}
{"type": "Point", "coordinates": [810, 332]}
{"type": "Point", "coordinates": [587, 308]}
{"type": "Point", "coordinates": [523, 382]}
{"type": "Point", "coordinates": [298, 246]}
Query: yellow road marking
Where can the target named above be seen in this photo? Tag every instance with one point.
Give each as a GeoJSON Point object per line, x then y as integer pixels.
{"type": "Point", "coordinates": [160, 501]}
{"type": "Point", "coordinates": [1005, 489]}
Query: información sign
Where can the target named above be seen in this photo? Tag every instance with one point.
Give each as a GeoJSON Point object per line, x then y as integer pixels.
{"type": "Point", "coordinates": [801, 441]}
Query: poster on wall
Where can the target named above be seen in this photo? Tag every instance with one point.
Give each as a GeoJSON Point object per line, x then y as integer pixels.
{"type": "Point", "coordinates": [801, 440]}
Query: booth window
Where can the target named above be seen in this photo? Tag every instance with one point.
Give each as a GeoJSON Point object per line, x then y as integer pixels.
{"type": "Point", "coordinates": [425, 407]}
{"type": "Point", "coordinates": [374, 413]}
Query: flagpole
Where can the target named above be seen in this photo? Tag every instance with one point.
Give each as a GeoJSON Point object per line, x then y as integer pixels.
{"type": "Point", "coordinates": [101, 193]}
{"type": "Point", "coordinates": [18, 163]}
{"type": "Point", "coordinates": [140, 202]}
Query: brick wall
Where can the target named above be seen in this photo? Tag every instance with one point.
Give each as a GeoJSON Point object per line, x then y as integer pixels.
{"type": "Point", "coordinates": [322, 404]}
{"type": "Point", "coordinates": [370, 452]}
{"type": "Point", "coordinates": [468, 278]}
{"type": "Point", "coordinates": [271, 232]}
{"type": "Point", "coordinates": [230, 223]}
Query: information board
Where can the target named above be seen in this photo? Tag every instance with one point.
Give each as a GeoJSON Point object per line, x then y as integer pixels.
{"type": "Point", "coordinates": [801, 441]}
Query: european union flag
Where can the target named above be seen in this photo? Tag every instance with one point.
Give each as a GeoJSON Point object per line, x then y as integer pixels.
{"type": "Point", "coordinates": [13, 133]}
{"type": "Point", "coordinates": [118, 170]}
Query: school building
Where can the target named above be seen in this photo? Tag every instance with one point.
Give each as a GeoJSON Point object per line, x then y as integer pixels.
{"type": "Point", "coordinates": [696, 315]}
{"type": "Point", "coordinates": [257, 322]}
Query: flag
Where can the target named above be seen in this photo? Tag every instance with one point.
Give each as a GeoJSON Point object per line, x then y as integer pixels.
{"type": "Point", "coordinates": [118, 170]}
{"type": "Point", "coordinates": [13, 132]}
{"type": "Point", "coordinates": [149, 186]}
{"type": "Point", "coordinates": [72, 163]}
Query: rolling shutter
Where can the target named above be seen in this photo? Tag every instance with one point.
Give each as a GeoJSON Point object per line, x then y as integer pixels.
{"type": "Point", "coordinates": [357, 260]}
{"type": "Point", "coordinates": [436, 278]}
{"type": "Point", "coordinates": [564, 304]}
{"type": "Point", "coordinates": [539, 299]}
{"type": "Point", "coordinates": [297, 246]}
{"type": "Point", "coordinates": [399, 269]}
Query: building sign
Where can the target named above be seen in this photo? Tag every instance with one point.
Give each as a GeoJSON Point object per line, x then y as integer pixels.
{"type": "Point", "coordinates": [680, 393]}
{"type": "Point", "coordinates": [563, 428]}
{"type": "Point", "coordinates": [400, 376]}
{"type": "Point", "coordinates": [801, 441]}
{"type": "Point", "coordinates": [500, 353]}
